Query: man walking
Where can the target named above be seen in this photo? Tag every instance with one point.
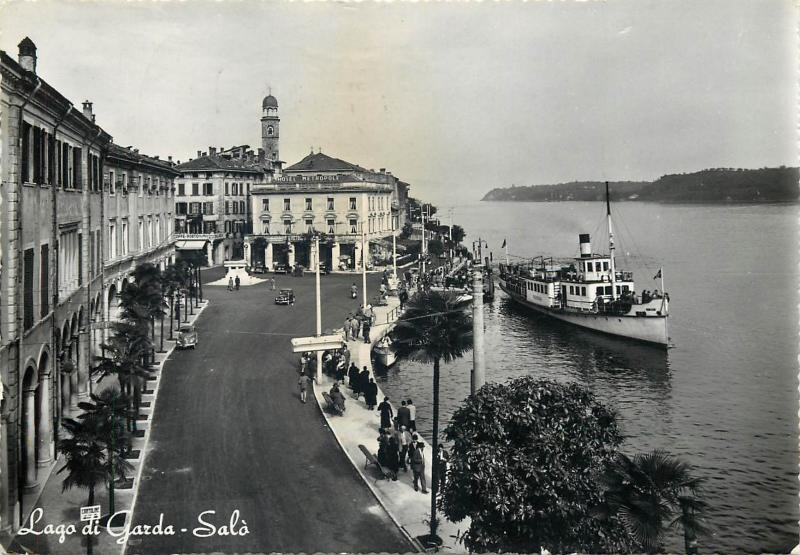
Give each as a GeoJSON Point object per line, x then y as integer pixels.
{"type": "Point", "coordinates": [303, 383]}
{"type": "Point", "coordinates": [417, 459]}
{"type": "Point", "coordinates": [230, 284]}
{"type": "Point", "coordinates": [404, 439]}
{"type": "Point", "coordinates": [412, 414]}
{"type": "Point", "coordinates": [404, 416]}
{"type": "Point", "coordinates": [236, 282]}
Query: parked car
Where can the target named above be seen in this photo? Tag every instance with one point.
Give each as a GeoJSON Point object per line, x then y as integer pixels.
{"type": "Point", "coordinates": [285, 296]}
{"type": "Point", "coordinates": [280, 268]}
{"type": "Point", "coordinates": [259, 268]}
{"type": "Point", "coordinates": [187, 337]}
{"type": "Point", "coordinates": [298, 270]}
{"type": "Point", "coordinates": [324, 267]}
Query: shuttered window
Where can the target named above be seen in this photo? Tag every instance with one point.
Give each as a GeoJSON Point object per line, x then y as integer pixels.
{"type": "Point", "coordinates": [27, 290]}
{"type": "Point", "coordinates": [80, 259]}
{"type": "Point", "coordinates": [77, 182]}
{"type": "Point", "coordinates": [26, 154]}
{"type": "Point", "coordinates": [44, 278]}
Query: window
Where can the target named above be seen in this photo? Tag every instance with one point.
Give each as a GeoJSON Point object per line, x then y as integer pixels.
{"type": "Point", "coordinates": [331, 226]}
{"type": "Point", "coordinates": [181, 189]}
{"type": "Point", "coordinates": [227, 207]}
{"type": "Point", "coordinates": [26, 154]}
{"type": "Point", "coordinates": [330, 203]}
{"type": "Point", "coordinates": [265, 227]}
{"type": "Point", "coordinates": [208, 188]}
{"type": "Point", "coordinates": [309, 225]}
{"type": "Point", "coordinates": [235, 189]}
{"type": "Point", "coordinates": [124, 183]}
{"type": "Point", "coordinates": [287, 226]}
{"type": "Point", "coordinates": [227, 191]}
{"type": "Point", "coordinates": [308, 204]}
{"type": "Point", "coordinates": [287, 204]}
{"type": "Point", "coordinates": [352, 203]}
{"type": "Point", "coordinates": [605, 266]}
{"type": "Point", "coordinates": [77, 182]}
{"type": "Point", "coordinates": [158, 230]}
{"type": "Point", "coordinates": [265, 205]}
{"type": "Point", "coordinates": [140, 244]}
{"type": "Point", "coordinates": [27, 312]}
{"type": "Point", "coordinates": [208, 208]}
{"type": "Point", "coordinates": [194, 208]}
{"type": "Point", "coordinates": [270, 131]}
{"type": "Point", "coordinates": [124, 231]}
{"type": "Point", "coordinates": [571, 289]}
{"type": "Point", "coordinates": [583, 291]}
{"type": "Point", "coordinates": [150, 231]}
{"type": "Point", "coordinates": [353, 225]}
{"type": "Point", "coordinates": [248, 188]}
{"type": "Point", "coordinates": [112, 240]}
{"type": "Point", "coordinates": [180, 208]}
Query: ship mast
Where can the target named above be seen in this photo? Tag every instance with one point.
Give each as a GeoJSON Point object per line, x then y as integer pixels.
{"type": "Point", "coordinates": [611, 246]}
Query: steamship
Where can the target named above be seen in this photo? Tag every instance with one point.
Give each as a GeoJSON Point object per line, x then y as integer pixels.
{"type": "Point", "coordinates": [591, 292]}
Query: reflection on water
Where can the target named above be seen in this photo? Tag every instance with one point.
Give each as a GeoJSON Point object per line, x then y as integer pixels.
{"type": "Point", "coordinates": [724, 399]}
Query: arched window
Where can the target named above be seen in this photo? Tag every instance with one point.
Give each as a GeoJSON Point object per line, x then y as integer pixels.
{"type": "Point", "coordinates": [270, 131]}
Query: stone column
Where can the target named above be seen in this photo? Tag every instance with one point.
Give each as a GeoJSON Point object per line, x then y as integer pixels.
{"type": "Point", "coordinates": [210, 253]}
{"type": "Point", "coordinates": [357, 256]}
{"type": "Point", "coordinates": [82, 378]}
{"type": "Point", "coordinates": [312, 262]}
{"type": "Point", "coordinates": [335, 256]}
{"type": "Point", "coordinates": [65, 394]}
{"type": "Point", "coordinates": [248, 253]}
{"type": "Point", "coordinates": [291, 256]}
{"type": "Point", "coordinates": [268, 256]}
{"type": "Point", "coordinates": [29, 437]}
{"type": "Point", "coordinates": [44, 453]}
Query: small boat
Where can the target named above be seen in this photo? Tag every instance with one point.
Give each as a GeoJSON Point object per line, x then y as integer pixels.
{"type": "Point", "coordinates": [591, 292]}
{"type": "Point", "coordinates": [383, 353]}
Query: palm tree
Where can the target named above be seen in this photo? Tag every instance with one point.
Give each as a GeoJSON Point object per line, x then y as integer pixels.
{"type": "Point", "coordinates": [652, 493]}
{"type": "Point", "coordinates": [147, 294]}
{"type": "Point", "coordinates": [84, 460]}
{"type": "Point", "coordinates": [106, 413]}
{"type": "Point", "coordinates": [435, 328]}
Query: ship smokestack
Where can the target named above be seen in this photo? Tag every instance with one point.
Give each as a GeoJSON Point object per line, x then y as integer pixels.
{"type": "Point", "coordinates": [586, 245]}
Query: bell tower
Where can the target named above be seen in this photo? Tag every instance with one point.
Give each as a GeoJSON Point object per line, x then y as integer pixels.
{"type": "Point", "coordinates": [270, 124]}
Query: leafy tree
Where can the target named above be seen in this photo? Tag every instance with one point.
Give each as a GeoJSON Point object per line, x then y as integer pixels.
{"type": "Point", "coordinates": [84, 460]}
{"type": "Point", "coordinates": [434, 328]}
{"type": "Point", "coordinates": [524, 466]}
{"type": "Point", "coordinates": [651, 493]}
{"type": "Point", "coordinates": [408, 229]}
{"type": "Point", "coordinates": [458, 234]}
{"type": "Point", "coordinates": [435, 247]}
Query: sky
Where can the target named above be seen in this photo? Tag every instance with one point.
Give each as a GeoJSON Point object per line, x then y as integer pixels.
{"type": "Point", "coordinates": [454, 98]}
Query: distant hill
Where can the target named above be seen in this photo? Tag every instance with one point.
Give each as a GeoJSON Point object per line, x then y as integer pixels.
{"type": "Point", "coordinates": [713, 185]}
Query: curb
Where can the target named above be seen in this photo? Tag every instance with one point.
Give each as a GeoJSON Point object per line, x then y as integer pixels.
{"type": "Point", "coordinates": [138, 478]}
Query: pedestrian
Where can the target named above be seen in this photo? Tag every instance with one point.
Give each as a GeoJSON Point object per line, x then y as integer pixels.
{"type": "Point", "coordinates": [393, 456]}
{"type": "Point", "coordinates": [442, 463]}
{"type": "Point", "coordinates": [352, 374]}
{"type": "Point", "coordinates": [383, 442]}
{"type": "Point", "coordinates": [347, 327]}
{"type": "Point", "coordinates": [404, 440]}
{"type": "Point", "coordinates": [355, 329]}
{"type": "Point", "coordinates": [230, 283]}
{"type": "Point", "coordinates": [363, 381]}
{"type": "Point", "coordinates": [304, 362]}
{"type": "Point", "coordinates": [303, 383]}
{"type": "Point", "coordinates": [365, 327]}
{"type": "Point", "coordinates": [371, 394]}
{"type": "Point", "coordinates": [237, 281]}
{"type": "Point", "coordinates": [337, 397]}
{"type": "Point", "coordinates": [417, 459]}
{"type": "Point", "coordinates": [345, 355]}
{"type": "Point", "coordinates": [272, 283]}
{"type": "Point", "coordinates": [404, 416]}
{"type": "Point", "coordinates": [385, 408]}
{"type": "Point", "coordinates": [341, 370]}
{"type": "Point", "coordinates": [412, 414]}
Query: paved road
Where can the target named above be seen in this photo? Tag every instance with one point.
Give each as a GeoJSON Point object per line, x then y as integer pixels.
{"type": "Point", "coordinates": [230, 433]}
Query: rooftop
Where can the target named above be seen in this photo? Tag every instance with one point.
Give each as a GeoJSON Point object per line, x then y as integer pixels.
{"type": "Point", "coordinates": [133, 156]}
{"type": "Point", "coordinates": [214, 162]}
{"type": "Point", "coordinates": [323, 163]}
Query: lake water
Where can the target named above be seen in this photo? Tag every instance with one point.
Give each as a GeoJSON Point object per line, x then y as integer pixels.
{"type": "Point", "coordinates": [724, 398]}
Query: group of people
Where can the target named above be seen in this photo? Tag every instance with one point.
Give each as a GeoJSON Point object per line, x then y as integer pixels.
{"type": "Point", "coordinates": [358, 325]}
{"type": "Point", "coordinates": [647, 296]}
{"type": "Point", "coordinates": [234, 283]}
{"type": "Point", "coordinates": [361, 383]}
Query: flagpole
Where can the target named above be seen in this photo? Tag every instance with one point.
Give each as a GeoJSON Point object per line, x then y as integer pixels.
{"type": "Point", "coordinates": [505, 244]}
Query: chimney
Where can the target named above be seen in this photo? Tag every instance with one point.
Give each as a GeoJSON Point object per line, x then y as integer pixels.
{"type": "Point", "coordinates": [27, 55]}
{"type": "Point", "coordinates": [212, 150]}
{"type": "Point", "coordinates": [169, 158]}
{"type": "Point", "coordinates": [585, 244]}
{"type": "Point", "coordinates": [383, 170]}
{"type": "Point", "coordinates": [87, 110]}
{"type": "Point", "coordinates": [199, 154]}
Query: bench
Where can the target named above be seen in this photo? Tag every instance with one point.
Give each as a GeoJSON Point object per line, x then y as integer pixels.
{"type": "Point", "coordinates": [372, 459]}
{"type": "Point", "coordinates": [331, 405]}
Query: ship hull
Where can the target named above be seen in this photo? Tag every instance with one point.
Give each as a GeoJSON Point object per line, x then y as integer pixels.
{"type": "Point", "coordinates": [648, 329]}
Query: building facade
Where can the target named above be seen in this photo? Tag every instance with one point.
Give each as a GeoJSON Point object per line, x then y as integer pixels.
{"type": "Point", "coordinates": [354, 208]}
{"type": "Point", "coordinates": [54, 254]}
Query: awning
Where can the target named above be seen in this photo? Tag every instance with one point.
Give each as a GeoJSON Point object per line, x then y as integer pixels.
{"type": "Point", "coordinates": [190, 245]}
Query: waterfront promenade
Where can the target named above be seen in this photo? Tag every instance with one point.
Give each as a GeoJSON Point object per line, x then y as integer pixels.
{"type": "Point", "coordinates": [359, 426]}
{"type": "Point", "coordinates": [230, 434]}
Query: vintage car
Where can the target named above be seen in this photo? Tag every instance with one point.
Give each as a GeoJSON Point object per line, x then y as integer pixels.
{"type": "Point", "coordinates": [259, 268]}
{"type": "Point", "coordinates": [285, 296]}
{"type": "Point", "coordinates": [280, 268]}
{"type": "Point", "coordinates": [324, 267]}
{"type": "Point", "coordinates": [187, 337]}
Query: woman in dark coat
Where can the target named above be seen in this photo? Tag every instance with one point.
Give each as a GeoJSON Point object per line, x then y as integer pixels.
{"type": "Point", "coordinates": [383, 443]}
{"type": "Point", "coordinates": [363, 381]}
{"type": "Point", "coordinates": [386, 413]}
{"type": "Point", "coordinates": [393, 456]}
{"type": "Point", "coordinates": [352, 373]}
{"type": "Point", "coordinates": [371, 394]}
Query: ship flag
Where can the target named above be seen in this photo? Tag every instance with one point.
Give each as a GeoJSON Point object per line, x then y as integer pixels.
{"type": "Point", "coordinates": [658, 275]}
{"type": "Point", "coordinates": [503, 245]}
